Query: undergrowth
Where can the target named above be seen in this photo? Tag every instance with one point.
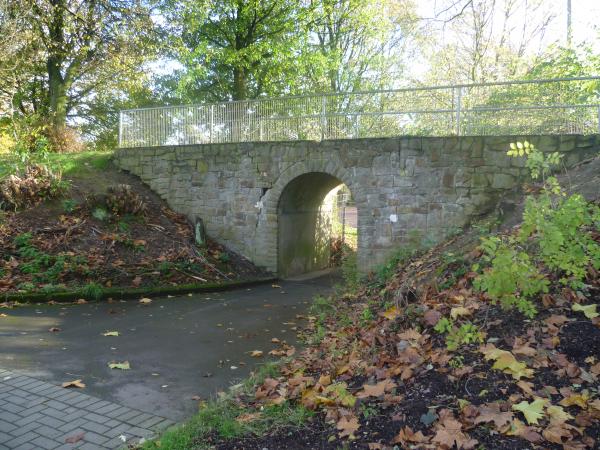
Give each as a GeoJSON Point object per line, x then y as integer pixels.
{"type": "Point", "coordinates": [225, 417]}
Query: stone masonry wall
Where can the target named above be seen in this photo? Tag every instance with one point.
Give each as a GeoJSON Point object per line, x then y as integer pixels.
{"type": "Point", "coordinates": [401, 184]}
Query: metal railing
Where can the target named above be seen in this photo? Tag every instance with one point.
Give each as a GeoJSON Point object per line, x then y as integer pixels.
{"type": "Point", "coordinates": [554, 106]}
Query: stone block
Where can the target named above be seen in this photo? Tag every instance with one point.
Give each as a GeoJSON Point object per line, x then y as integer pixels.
{"type": "Point", "coordinates": [503, 181]}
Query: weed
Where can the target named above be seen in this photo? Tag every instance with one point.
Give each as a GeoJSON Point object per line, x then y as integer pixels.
{"type": "Point", "coordinates": [100, 214]}
{"type": "Point", "coordinates": [69, 205]}
{"type": "Point", "coordinates": [457, 362]}
{"type": "Point", "coordinates": [92, 291]}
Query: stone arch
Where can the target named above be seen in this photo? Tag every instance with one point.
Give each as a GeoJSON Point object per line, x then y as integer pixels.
{"type": "Point", "coordinates": [268, 222]}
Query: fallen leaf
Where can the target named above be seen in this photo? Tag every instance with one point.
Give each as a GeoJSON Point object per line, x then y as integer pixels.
{"type": "Point", "coordinates": [54, 330]}
{"type": "Point", "coordinates": [506, 362]}
{"type": "Point", "coordinates": [459, 311]}
{"type": "Point", "coordinates": [558, 432]}
{"type": "Point", "coordinates": [256, 353]}
{"type": "Point", "coordinates": [407, 435]}
{"type": "Point", "coordinates": [347, 426]}
{"type": "Point", "coordinates": [491, 413]}
{"type": "Point", "coordinates": [75, 438]}
{"type": "Point", "coordinates": [518, 428]}
{"type": "Point", "coordinates": [557, 414]}
{"type": "Point", "coordinates": [432, 317]}
{"type": "Point", "coordinates": [275, 286]}
{"type": "Point", "coordinates": [325, 380]}
{"type": "Point", "coordinates": [145, 301]}
{"type": "Point", "coordinates": [449, 433]}
{"type": "Point", "coordinates": [74, 383]}
{"type": "Point", "coordinates": [589, 310]}
{"type": "Point", "coordinates": [580, 400]}
{"type": "Point", "coordinates": [122, 365]}
{"type": "Point", "coordinates": [136, 281]}
{"type": "Point", "coordinates": [275, 341]}
{"type": "Point", "coordinates": [392, 313]}
{"type": "Point", "coordinates": [376, 390]}
{"type": "Point", "coordinates": [532, 411]}
{"type": "Point", "coordinates": [248, 417]}
{"type": "Point", "coordinates": [111, 333]}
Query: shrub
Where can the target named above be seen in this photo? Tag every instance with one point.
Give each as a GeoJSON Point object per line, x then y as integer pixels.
{"type": "Point", "coordinates": [35, 184]}
{"type": "Point", "coordinates": [121, 199]}
{"type": "Point", "coordinates": [64, 140]}
{"type": "Point", "coordinates": [556, 235]}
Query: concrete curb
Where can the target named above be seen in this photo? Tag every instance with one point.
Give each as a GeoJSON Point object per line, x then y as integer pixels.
{"type": "Point", "coordinates": [129, 293]}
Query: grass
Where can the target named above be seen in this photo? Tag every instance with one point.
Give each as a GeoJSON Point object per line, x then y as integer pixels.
{"type": "Point", "coordinates": [223, 418]}
{"type": "Point", "coordinates": [70, 164]}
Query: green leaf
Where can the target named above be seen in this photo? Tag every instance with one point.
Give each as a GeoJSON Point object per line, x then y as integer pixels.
{"type": "Point", "coordinates": [589, 310]}
{"type": "Point", "coordinates": [532, 411]}
{"type": "Point", "coordinates": [122, 365]}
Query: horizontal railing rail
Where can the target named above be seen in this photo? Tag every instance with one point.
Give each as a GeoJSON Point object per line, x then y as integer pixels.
{"type": "Point", "coordinates": [552, 106]}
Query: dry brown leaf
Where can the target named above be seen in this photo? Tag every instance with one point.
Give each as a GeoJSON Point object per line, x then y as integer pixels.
{"type": "Point", "coordinates": [558, 432]}
{"type": "Point", "coordinates": [256, 353]}
{"type": "Point", "coordinates": [580, 400]}
{"type": "Point", "coordinates": [347, 426]}
{"type": "Point", "coordinates": [432, 317]}
{"type": "Point", "coordinates": [325, 380]}
{"type": "Point", "coordinates": [75, 438]}
{"type": "Point", "coordinates": [74, 383]}
{"type": "Point", "coordinates": [491, 413]}
{"type": "Point", "coordinates": [376, 390]}
{"type": "Point", "coordinates": [449, 433]}
{"type": "Point", "coordinates": [407, 435]}
{"type": "Point", "coordinates": [248, 417]}
{"type": "Point", "coordinates": [526, 387]}
{"type": "Point", "coordinates": [145, 301]}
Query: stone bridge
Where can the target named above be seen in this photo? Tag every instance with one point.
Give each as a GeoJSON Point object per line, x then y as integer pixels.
{"type": "Point", "coordinates": [262, 199]}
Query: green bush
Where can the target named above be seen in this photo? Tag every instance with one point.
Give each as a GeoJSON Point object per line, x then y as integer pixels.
{"type": "Point", "coordinates": [555, 235]}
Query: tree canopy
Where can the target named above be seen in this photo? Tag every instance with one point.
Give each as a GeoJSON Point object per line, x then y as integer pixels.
{"type": "Point", "coordinates": [78, 62]}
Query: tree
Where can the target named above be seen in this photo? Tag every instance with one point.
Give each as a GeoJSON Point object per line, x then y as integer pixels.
{"type": "Point", "coordinates": [357, 44]}
{"type": "Point", "coordinates": [234, 49]}
{"type": "Point", "coordinates": [81, 48]}
{"type": "Point", "coordinates": [18, 52]}
{"type": "Point", "coordinates": [487, 40]}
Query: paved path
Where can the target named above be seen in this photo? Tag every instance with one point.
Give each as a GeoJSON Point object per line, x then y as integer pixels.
{"type": "Point", "coordinates": [38, 415]}
{"type": "Point", "coordinates": [178, 348]}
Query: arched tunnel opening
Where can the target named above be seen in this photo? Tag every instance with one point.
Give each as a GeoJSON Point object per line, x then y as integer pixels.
{"type": "Point", "coordinates": [317, 224]}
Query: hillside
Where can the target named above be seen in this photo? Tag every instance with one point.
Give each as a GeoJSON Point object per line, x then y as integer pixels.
{"type": "Point", "coordinates": [91, 239]}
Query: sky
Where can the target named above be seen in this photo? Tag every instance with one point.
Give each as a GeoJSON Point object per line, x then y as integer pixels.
{"type": "Point", "coordinates": [585, 14]}
{"type": "Point", "coordinates": [585, 25]}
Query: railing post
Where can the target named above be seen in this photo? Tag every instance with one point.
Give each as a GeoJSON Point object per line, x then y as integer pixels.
{"type": "Point", "coordinates": [323, 118]}
{"type": "Point", "coordinates": [458, 109]}
{"type": "Point", "coordinates": [210, 124]}
{"type": "Point", "coordinates": [598, 119]}
{"type": "Point", "coordinates": [120, 129]}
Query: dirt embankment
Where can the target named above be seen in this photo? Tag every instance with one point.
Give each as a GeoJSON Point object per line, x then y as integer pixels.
{"type": "Point", "coordinates": [77, 241]}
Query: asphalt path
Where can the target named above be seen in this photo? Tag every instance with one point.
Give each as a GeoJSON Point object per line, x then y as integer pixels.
{"type": "Point", "coordinates": [179, 348]}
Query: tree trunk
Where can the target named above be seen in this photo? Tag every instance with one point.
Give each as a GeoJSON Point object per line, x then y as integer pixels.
{"type": "Point", "coordinates": [240, 91]}
{"type": "Point", "coordinates": [57, 85]}
{"type": "Point", "coordinates": [57, 94]}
